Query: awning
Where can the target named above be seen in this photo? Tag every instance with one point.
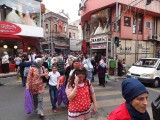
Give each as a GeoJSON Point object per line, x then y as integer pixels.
{"type": "Point", "coordinates": [20, 38]}
{"type": "Point", "coordinates": [60, 44]}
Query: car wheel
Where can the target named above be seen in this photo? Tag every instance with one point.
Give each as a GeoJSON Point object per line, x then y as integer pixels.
{"type": "Point", "coordinates": [156, 83]}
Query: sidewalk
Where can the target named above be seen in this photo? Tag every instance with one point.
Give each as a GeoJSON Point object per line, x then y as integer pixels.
{"type": "Point", "coordinates": [10, 74]}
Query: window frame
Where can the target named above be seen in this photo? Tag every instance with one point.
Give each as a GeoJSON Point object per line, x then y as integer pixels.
{"type": "Point", "coordinates": [127, 21]}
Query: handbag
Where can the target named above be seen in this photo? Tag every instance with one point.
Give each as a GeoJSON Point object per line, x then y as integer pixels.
{"type": "Point", "coordinates": [156, 108]}
{"type": "Point", "coordinates": [28, 102]}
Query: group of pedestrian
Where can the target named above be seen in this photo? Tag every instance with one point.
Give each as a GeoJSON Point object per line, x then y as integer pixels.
{"type": "Point", "coordinates": [75, 87]}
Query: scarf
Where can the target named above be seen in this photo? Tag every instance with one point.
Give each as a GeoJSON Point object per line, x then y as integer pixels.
{"type": "Point", "coordinates": [36, 65]}
{"type": "Point", "coordinates": [135, 115]}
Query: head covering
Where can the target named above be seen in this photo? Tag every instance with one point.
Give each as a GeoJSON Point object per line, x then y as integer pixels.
{"type": "Point", "coordinates": [37, 64]}
{"type": "Point", "coordinates": [131, 88]}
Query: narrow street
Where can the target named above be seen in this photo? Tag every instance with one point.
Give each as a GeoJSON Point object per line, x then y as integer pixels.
{"type": "Point", "coordinates": [108, 98]}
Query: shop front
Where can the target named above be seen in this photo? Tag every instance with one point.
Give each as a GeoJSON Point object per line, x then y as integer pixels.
{"type": "Point", "coordinates": [20, 26]}
{"type": "Point", "coordinates": [102, 44]}
{"type": "Point", "coordinates": [132, 50]}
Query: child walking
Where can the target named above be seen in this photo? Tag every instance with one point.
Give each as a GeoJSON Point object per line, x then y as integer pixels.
{"type": "Point", "coordinates": [53, 86]}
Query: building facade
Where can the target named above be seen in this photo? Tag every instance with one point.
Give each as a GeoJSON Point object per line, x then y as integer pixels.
{"type": "Point", "coordinates": [55, 33]}
{"type": "Point", "coordinates": [20, 26]}
{"type": "Point", "coordinates": [137, 28]}
{"type": "Point", "coordinates": [78, 25]}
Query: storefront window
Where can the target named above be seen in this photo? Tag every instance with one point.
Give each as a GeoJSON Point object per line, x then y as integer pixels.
{"type": "Point", "coordinates": [25, 12]}
{"type": "Point", "coordinates": [100, 22]}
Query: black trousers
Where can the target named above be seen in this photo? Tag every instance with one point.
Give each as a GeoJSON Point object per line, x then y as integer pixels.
{"type": "Point", "coordinates": [101, 81]}
{"type": "Point", "coordinates": [5, 68]}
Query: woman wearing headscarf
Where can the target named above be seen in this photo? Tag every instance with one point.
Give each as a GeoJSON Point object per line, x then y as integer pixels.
{"type": "Point", "coordinates": [36, 85]}
{"type": "Point", "coordinates": [136, 103]}
{"type": "Point", "coordinates": [5, 62]}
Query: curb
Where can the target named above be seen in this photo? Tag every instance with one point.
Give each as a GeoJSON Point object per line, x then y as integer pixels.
{"type": "Point", "coordinates": [8, 75]}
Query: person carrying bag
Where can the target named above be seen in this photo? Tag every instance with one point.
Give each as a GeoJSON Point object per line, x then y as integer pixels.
{"type": "Point", "coordinates": [156, 108]}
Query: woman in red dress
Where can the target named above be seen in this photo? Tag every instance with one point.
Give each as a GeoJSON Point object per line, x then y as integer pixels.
{"type": "Point", "coordinates": [80, 93]}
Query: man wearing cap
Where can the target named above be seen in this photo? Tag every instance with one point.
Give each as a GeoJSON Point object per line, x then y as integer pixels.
{"type": "Point", "coordinates": [136, 95]}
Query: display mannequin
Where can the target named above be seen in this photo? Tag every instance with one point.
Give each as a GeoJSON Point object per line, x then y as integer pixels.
{"type": "Point", "coordinates": [13, 17]}
{"type": "Point", "coordinates": [106, 26]}
{"type": "Point", "coordinates": [28, 20]}
{"type": "Point", "coordinates": [99, 29]}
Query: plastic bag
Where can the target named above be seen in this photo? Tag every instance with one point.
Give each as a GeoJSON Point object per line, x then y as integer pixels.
{"type": "Point", "coordinates": [28, 102]}
{"type": "Point", "coordinates": [156, 108]}
{"type": "Point", "coordinates": [62, 96]}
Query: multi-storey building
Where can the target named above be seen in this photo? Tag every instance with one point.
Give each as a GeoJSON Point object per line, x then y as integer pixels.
{"type": "Point", "coordinates": [56, 33]}
{"type": "Point", "coordinates": [137, 27]}
{"type": "Point", "coordinates": [20, 25]}
{"type": "Point", "coordinates": [79, 31]}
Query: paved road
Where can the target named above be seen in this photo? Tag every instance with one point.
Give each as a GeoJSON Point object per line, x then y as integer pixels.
{"type": "Point", "coordinates": [108, 98]}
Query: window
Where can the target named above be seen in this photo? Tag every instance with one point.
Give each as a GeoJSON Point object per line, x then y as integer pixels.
{"type": "Point", "coordinates": [148, 24]}
{"type": "Point", "coordinates": [55, 28]}
{"type": "Point", "coordinates": [140, 24]}
{"type": "Point", "coordinates": [74, 35]}
{"type": "Point", "coordinates": [70, 35]}
{"type": "Point", "coordinates": [134, 23]}
{"type": "Point", "coordinates": [127, 21]}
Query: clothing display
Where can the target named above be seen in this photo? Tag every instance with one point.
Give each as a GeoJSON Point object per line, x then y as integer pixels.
{"type": "Point", "coordinates": [99, 29]}
{"type": "Point", "coordinates": [106, 29]}
{"type": "Point", "coordinates": [13, 17]}
{"type": "Point", "coordinates": [27, 20]}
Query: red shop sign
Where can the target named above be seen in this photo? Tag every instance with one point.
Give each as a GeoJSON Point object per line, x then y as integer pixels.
{"type": "Point", "coordinates": [9, 28]}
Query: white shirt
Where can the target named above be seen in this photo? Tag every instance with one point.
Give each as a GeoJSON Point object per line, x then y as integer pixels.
{"type": "Point", "coordinates": [53, 80]}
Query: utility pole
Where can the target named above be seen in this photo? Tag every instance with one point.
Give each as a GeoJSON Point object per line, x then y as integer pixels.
{"type": "Point", "coordinates": [116, 27]}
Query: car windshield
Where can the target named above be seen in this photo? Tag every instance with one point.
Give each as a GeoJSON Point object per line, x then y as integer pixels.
{"type": "Point", "coordinates": [146, 62]}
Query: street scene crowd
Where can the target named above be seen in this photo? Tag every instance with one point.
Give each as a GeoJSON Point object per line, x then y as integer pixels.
{"type": "Point", "coordinates": [69, 80]}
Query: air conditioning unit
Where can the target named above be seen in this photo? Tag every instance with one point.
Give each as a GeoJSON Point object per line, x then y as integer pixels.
{"type": "Point", "coordinates": [155, 37]}
{"type": "Point", "coordinates": [150, 37]}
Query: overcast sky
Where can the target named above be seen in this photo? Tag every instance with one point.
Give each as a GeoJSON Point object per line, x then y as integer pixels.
{"type": "Point", "coordinates": [69, 6]}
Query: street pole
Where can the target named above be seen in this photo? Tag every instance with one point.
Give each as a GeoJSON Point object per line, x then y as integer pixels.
{"type": "Point", "coordinates": [116, 27]}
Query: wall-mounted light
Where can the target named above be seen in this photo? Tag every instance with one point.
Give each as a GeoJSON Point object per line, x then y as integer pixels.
{"type": "Point", "coordinates": [15, 47]}
{"type": "Point", "coordinates": [29, 48]}
{"type": "Point", "coordinates": [5, 46]}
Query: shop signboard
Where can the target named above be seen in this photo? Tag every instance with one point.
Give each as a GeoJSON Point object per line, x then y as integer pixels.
{"type": "Point", "coordinates": [9, 28]}
{"type": "Point", "coordinates": [98, 47]}
{"type": "Point", "coordinates": [98, 40]}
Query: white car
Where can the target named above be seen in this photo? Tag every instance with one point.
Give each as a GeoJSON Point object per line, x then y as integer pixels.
{"type": "Point", "coordinates": [147, 70]}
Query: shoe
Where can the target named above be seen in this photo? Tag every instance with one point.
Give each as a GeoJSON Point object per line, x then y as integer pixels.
{"type": "Point", "coordinates": [41, 115]}
{"type": "Point", "coordinates": [103, 85]}
{"type": "Point", "coordinates": [55, 111]}
{"type": "Point", "coordinates": [1, 84]}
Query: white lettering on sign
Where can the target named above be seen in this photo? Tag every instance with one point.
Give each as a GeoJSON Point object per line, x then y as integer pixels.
{"type": "Point", "coordinates": [98, 40]}
{"type": "Point", "coordinates": [4, 26]}
{"type": "Point", "coordinates": [98, 47]}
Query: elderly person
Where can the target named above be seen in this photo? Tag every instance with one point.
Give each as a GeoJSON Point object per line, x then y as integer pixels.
{"type": "Point", "coordinates": [5, 62]}
{"type": "Point", "coordinates": [136, 103]}
{"type": "Point", "coordinates": [36, 85]}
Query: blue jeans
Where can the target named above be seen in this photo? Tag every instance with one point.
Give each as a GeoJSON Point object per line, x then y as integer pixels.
{"type": "Point", "coordinates": [53, 92]}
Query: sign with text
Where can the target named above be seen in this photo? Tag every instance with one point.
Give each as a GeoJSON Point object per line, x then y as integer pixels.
{"type": "Point", "coordinates": [98, 40]}
{"type": "Point", "coordinates": [9, 28]}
